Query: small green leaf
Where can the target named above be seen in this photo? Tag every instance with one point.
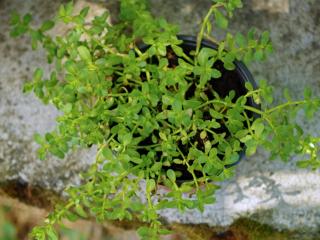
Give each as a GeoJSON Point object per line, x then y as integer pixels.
{"type": "Point", "coordinates": [38, 138]}
{"type": "Point", "coordinates": [14, 18]}
{"type": "Point", "coordinates": [171, 175]}
{"type": "Point", "coordinates": [203, 134]}
{"type": "Point", "coordinates": [221, 20]}
{"type": "Point", "coordinates": [192, 103]}
{"type": "Point", "coordinates": [162, 51]}
{"type": "Point", "coordinates": [163, 231]}
{"type": "Point", "coordinates": [258, 127]}
{"type": "Point", "coordinates": [82, 89]}
{"type": "Point", "coordinates": [72, 217]}
{"type": "Point", "coordinates": [215, 114]}
{"type": "Point", "coordinates": [62, 11]}
{"type": "Point", "coordinates": [221, 49]}
{"type": "Point", "coordinates": [51, 234]}
{"type": "Point", "coordinates": [49, 137]}
{"type": "Point", "coordinates": [136, 160]}
{"type": "Point", "coordinates": [56, 152]}
{"type": "Point", "coordinates": [207, 146]}
{"type": "Point", "coordinates": [84, 53]}
{"type": "Point", "coordinates": [309, 110]}
{"type": "Point", "coordinates": [67, 108]}
{"type": "Point", "coordinates": [303, 164]}
{"type": "Point", "coordinates": [228, 61]}
{"type": "Point", "coordinates": [145, 232]}
{"type": "Point", "coordinates": [151, 185]}
{"type": "Point", "coordinates": [249, 86]}
{"type": "Point", "coordinates": [248, 57]}
{"type": "Point", "coordinates": [240, 40]}
{"type": "Point", "coordinates": [286, 94]}
{"type": "Point", "coordinates": [259, 55]}
{"type": "Point", "coordinates": [215, 73]}
{"type": "Point", "coordinates": [27, 19]}
{"type": "Point", "coordinates": [204, 55]}
{"type": "Point", "coordinates": [69, 8]}
{"type": "Point", "coordinates": [27, 87]}
{"type": "Point", "coordinates": [307, 93]}
{"type": "Point", "coordinates": [265, 37]}
{"type": "Point", "coordinates": [125, 139]}
{"type": "Point", "coordinates": [84, 12]}
{"type": "Point", "coordinates": [236, 3]}
{"type": "Point", "coordinates": [214, 124]}
{"type": "Point", "coordinates": [251, 147]}
{"type": "Point", "coordinates": [37, 76]}
{"type": "Point", "coordinates": [232, 159]}
{"type": "Point", "coordinates": [18, 30]}
{"type": "Point", "coordinates": [242, 133]}
{"type": "Point", "coordinates": [107, 153]}
{"type": "Point", "coordinates": [246, 138]}
{"type": "Point", "coordinates": [47, 25]}
{"type": "Point", "coordinates": [163, 136]}
{"type": "Point", "coordinates": [156, 167]}
{"type": "Point", "coordinates": [269, 48]}
{"type": "Point", "coordinates": [80, 211]}
{"type": "Point", "coordinates": [178, 50]}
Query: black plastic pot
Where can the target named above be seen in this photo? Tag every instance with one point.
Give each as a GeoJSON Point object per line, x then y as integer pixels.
{"type": "Point", "coordinates": [230, 80]}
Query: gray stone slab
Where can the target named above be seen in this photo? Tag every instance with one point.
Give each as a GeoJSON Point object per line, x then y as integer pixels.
{"type": "Point", "coordinates": [23, 115]}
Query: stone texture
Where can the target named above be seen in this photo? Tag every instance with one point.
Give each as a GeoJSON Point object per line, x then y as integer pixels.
{"type": "Point", "coordinates": [23, 115]}
{"type": "Point", "coordinates": [274, 6]}
{"type": "Point", "coordinates": [270, 192]}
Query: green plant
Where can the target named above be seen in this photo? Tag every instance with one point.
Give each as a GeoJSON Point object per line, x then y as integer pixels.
{"type": "Point", "coordinates": [132, 105]}
{"type": "Point", "coordinates": [7, 229]}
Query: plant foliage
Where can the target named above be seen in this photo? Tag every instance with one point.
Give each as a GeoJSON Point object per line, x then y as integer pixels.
{"type": "Point", "coordinates": [132, 105]}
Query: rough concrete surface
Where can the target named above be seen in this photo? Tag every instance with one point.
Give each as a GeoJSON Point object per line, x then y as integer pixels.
{"type": "Point", "coordinates": [23, 115]}
{"type": "Point", "coordinates": [270, 192]}
{"type": "Point", "coordinates": [281, 6]}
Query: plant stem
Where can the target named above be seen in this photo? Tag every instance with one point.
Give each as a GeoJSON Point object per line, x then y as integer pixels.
{"type": "Point", "coordinates": [215, 134]}
{"type": "Point", "coordinates": [285, 105]}
{"type": "Point", "coordinates": [252, 92]}
{"type": "Point", "coordinates": [211, 101]}
{"type": "Point", "coordinates": [148, 146]}
{"type": "Point", "coordinates": [248, 122]}
{"type": "Point", "coordinates": [212, 39]}
{"type": "Point", "coordinates": [195, 180]}
{"type": "Point", "coordinates": [255, 110]}
{"type": "Point", "coordinates": [118, 94]}
{"type": "Point", "coordinates": [62, 211]}
{"type": "Point", "coordinates": [109, 140]}
{"type": "Point", "coordinates": [138, 51]}
{"type": "Point", "coordinates": [148, 76]}
{"type": "Point", "coordinates": [186, 57]}
{"type": "Point", "coordinates": [203, 26]}
{"type": "Point", "coordinates": [135, 81]}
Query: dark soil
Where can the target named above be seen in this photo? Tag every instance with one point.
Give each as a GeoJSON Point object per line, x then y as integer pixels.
{"type": "Point", "coordinates": [31, 195]}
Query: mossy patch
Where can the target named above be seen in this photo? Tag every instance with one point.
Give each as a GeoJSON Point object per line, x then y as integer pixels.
{"type": "Point", "coordinates": [242, 229]}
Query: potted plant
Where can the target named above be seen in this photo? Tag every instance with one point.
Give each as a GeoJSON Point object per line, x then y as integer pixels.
{"type": "Point", "coordinates": [163, 110]}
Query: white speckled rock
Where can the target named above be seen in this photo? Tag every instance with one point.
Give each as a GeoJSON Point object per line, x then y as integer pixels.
{"type": "Point", "coordinates": [270, 192]}
{"type": "Point", "coordinates": [23, 115]}
{"type": "Point", "coordinates": [281, 6]}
